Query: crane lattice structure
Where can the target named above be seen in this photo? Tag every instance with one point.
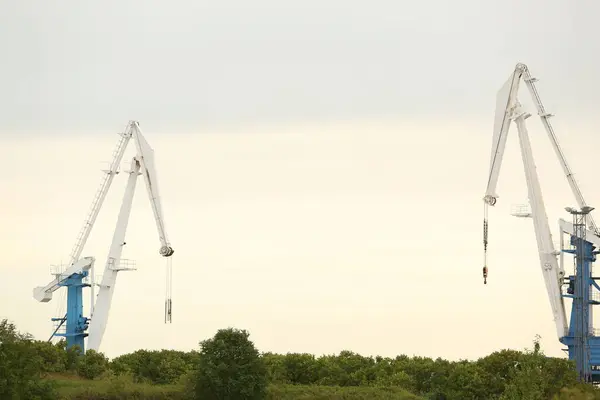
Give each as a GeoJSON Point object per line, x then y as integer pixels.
{"type": "Point", "coordinates": [80, 271]}
{"type": "Point", "coordinates": [577, 333]}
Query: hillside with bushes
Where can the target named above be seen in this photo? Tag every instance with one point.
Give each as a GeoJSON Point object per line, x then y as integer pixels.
{"type": "Point", "coordinates": [228, 366]}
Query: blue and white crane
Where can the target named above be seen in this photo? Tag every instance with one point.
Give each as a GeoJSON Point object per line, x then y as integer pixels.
{"type": "Point", "coordinates": [73, 325]}
{"type": "Point", "coordinates": [577, 331]}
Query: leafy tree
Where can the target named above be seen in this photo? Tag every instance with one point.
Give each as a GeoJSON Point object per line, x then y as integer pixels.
{"type": "Point", "coordinates": [73, 356]}
{"type": "Point", "coordinates": [230, 368]}
{"type": "Point", "coordinates": [559, 373]}
{"type": "Point", "coordinates": [528, 381]}
{"type": "Point", "coordinates": [54, 357]}
{"type": "Point", "coordinates": [92, 365]}
{"type": "Point", "coordinates": [21, 367]}
{"type": "Point", "coordinates": [276, 370]}
{"type": "Point", "coordinates": [466, 381]}
{"type": "Point", "coordinates": [398, 379]}
{"type": "Point", "coordinates": [499, 367]}
{"type": "Point", "coordinates": [359, 370]}
{"type": "Point", "coordinates": [329, 372]}
{"type": "Point", "coordinates": [578, 392]}
{"type": "Point", "coordinates": [160, 367]}
{"type": "Point", "coordinates": [300, 368]}
{"type": "Point", "coordinates": [422, 369]}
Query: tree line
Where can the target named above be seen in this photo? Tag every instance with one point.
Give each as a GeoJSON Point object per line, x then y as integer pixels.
{"type": "Point", "coordinates": [228, 366]}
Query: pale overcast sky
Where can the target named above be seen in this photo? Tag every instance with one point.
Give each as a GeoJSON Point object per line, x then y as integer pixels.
{"type": "Point", "coordinates": [321, 165]}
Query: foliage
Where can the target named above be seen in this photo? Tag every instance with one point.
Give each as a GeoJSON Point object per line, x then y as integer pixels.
{"type": "Point", "coordinates": [21, 367]}
{"type": "Point", "coordinates": [313, 392]}
{"type": "Point", "coordinates": [159, 367]}
{"type": "Point", "coordinates": [578, 392]}
{"type": "Point", "coordinates": [506, 374]}
{"type": "Point", "coordinates": [123, 387]}
{"type": "Point", "coordinates": [53, 356]}
{"type": "Point", "coordinates": [535, 377]}
{"type": "Point", "coordinates": [113, 387]}
{"type": "Point", "coordinates": [230, 367]}
{"type": "Point", "coordinates": [92, 365]}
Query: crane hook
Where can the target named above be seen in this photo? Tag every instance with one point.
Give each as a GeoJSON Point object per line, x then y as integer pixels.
{"type": "Point", "coordinates": [485, 242]}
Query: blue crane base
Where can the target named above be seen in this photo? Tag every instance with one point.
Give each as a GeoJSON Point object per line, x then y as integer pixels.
{"type": "Point", "coordinates": [75, 323]}
{"type": "Point", "coordinates": [583, 346]}
{"type": "Point", "coordinates": [593, 372]}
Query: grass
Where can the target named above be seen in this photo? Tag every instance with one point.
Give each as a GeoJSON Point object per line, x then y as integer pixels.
{"type": "Point", "coordinates": [293, 392]}
{"type": "Point", "coordinates": [122, 388]}
{"type": "Point", "coordinates": [113, 388]}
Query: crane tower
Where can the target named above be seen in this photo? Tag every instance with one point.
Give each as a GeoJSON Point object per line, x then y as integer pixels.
{"type": "Point", "coordinates": [80, 271]}
{"type": "Point", "coordinates": [576, 332]}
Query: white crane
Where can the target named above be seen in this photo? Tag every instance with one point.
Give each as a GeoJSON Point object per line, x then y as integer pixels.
{"type": "Point", "coordinates": [141, 164]}
{"type": "Point", "coordinates": [508, 109]}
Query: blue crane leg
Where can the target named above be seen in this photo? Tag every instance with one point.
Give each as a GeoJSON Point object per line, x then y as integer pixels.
{"type": "Point", "coordinates": [75, 323]}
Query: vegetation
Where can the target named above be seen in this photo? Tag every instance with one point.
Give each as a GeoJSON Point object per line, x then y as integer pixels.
{"type": "Point", "coordinates": [228, 366]}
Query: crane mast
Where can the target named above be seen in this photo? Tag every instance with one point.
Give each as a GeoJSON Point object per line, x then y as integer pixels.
{"type": "Point", "coordinates": [80, 269]}
{"type": "Point", "coordinates": [577, 333]}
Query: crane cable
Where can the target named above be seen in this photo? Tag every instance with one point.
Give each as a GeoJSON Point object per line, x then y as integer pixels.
{"type": "Point", "coordinates": [485, 241]}
{"type": "Point", "coordinates": [169, 289]}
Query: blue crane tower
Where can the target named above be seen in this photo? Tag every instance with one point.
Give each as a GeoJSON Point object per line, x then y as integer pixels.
{"type": "Point", "coordinates": [582, 344]}
{"type": "Point", "coordinates": [73, 325]}
{"type": "Point", "coordinates": [79, 273]}
{"type": "Point", "coordinates": [576, 332]}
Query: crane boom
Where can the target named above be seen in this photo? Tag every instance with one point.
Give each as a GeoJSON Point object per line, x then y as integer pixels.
{"type": "Point", "coordinates": [99, 197]}
{"type": "Point", "coordinates": [505, 100]}
{"type": "Point", "coordinates": [146, 159]}
{"type": "Point", "coordinates": [545, 118]}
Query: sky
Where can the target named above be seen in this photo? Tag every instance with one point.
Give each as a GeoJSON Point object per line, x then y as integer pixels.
{"type": "Point", "coordinates": [321, 166]}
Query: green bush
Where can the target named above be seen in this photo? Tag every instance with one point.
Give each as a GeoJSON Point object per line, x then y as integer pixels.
{"type": "Point", "coordinates": [311, 392]}
{"type": "Point", "coordinates": [160, 367]}
{"type": "Point", "coordinates": [230, 368]}
{"type": "Point", "coordinates": [92, 365]}
{"type": "Point", "coordinates": [579, 392]}
{"type": "Point", "coordinates": [21, 367]}
{"type": "Point", "coordinates": [114, 387]}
